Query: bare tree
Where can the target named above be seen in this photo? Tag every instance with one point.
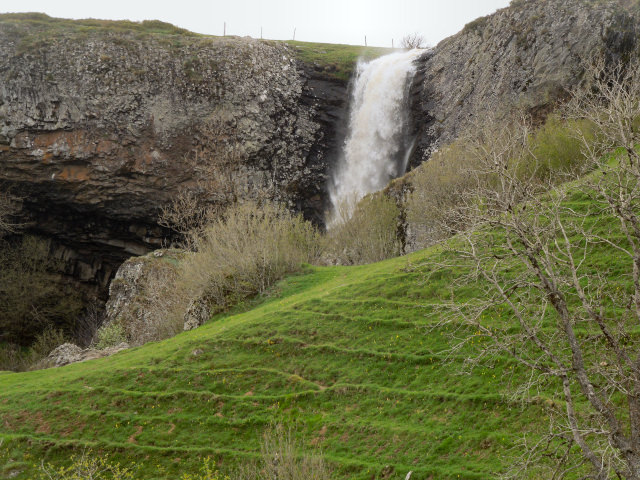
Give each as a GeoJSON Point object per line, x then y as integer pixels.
{"type": "Point", "coordinates": [534, 250]}
{"type": "Point", "coordinates": [213, 187]}
{"type": "Point", "coordinates": [413, 40]}
{"type": "Point", "coordinates": [9, 207]}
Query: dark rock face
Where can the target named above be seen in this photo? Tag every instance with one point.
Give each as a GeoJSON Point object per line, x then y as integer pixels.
{"type": "Point", "coordinates": [329, 98]}
{"type": "Point", "coordinates": [528, 55]}
{"type": "Point", "coordinates": [96, 129]}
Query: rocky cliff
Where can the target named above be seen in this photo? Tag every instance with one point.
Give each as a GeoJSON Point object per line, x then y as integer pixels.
{"type": "Point", "coordinates": [103, 123]}
{"type": "Point", "coordinates": [527, 55]}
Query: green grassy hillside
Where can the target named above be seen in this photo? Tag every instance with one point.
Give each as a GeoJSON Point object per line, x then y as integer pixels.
{"type": "Point", "coordinates": [343, 354]}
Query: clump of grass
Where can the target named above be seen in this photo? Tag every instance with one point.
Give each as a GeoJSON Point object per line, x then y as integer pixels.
{"type": "Point", "coordinates": [476, 26]}
{"type": "Point", "coordinates": [283, 457]}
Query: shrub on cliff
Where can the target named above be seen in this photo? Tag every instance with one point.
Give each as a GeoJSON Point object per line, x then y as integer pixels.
{"type": "Point", "coordinates": [110, 335]}
{"type": "Point", "coordinates": [437, 186]}
{"type": "Point", "coordinates": [246, 251]}
{"type": "Point", "coordinates": [558, 143]}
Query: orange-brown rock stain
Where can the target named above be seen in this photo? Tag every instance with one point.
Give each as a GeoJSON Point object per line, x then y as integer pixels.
{"type": "Point", "coordinates": [77, 142]}
{"type": "Point", "coordinates": [48, 139]}
{"type": "Point", "coordinates": [74, 174]}
{"type": "Point", "coordinates": [105, 146]}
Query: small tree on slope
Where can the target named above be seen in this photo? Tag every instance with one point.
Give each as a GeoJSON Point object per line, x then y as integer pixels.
{"type": "Point", "coordinates": [413, 40]}
{"type": "Point", "coordinates": [541, 253]}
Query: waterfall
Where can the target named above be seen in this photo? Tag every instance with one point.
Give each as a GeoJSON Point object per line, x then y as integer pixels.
{"type": "Point", "coordinates": [377, 147]}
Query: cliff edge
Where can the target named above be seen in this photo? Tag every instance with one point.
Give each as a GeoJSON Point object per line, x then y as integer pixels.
{"type": "Point", "coordinates": [102, 123]}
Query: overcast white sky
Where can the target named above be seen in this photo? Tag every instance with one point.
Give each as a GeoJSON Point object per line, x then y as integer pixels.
{"type": "Point", "coordinates": [331, 21]}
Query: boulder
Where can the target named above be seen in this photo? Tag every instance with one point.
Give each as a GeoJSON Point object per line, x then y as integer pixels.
{"type": "Point", "coordinates": [142, 294]}
{"type": "Point", "coordinates": [198, 312]}
{"type": "Point", "coordinates": [65, 354]}
{"type": "Point", "coordinates": [68, 353]}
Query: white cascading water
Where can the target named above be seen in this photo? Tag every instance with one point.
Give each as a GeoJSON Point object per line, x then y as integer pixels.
{"type": "Point", "coordinates": [377, 148]}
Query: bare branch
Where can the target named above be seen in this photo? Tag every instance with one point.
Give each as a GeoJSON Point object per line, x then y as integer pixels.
{"type": "Point", "coordinates": [9, 207]}
{"type": "Point", "coordinates": [413, 40]}
{"type": "Point", "coordinates": [214, 186]}
{"type": "Point", "coordinates": [532, 249]}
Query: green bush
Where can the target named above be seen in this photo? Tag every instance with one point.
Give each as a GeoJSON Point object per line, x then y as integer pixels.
{"type": "Point", "coordinates": [550, 154]}
{"type": "Point", "coordinates": [558, 149]}
{"type": "Point", "coordinates": [369, 234]}
{"type": "Point", "coordinates": [110, 335]}
{"type": "Point", "coordinates": [438, 185]}
{"type": "Point", "coordinates": [246, 251]}
{"type": "Point", "coordinates": [47, 341]}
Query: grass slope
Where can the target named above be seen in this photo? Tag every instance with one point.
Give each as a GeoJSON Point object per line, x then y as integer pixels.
{"type": "Point", "coordinates": [341, 353]}
{"type": "Point", "coordinates": [335, 60]}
